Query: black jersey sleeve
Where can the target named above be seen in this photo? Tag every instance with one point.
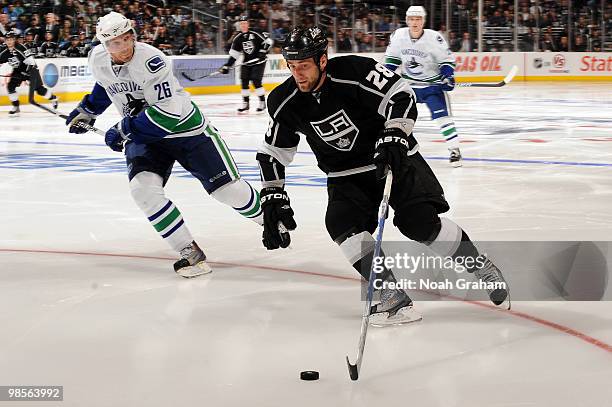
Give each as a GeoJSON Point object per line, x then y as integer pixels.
{"type": "Point", "coordinates": [281, 139]}
{"type": "Point", "coordinates": [380, 89]}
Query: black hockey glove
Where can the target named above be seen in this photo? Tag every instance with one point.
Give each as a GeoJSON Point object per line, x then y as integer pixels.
{"type": "Point", "coordinates": [224, 69]}
{"type": "Point", "coordinates": [82, 113]}
{"type": "Point", "coordinates": [278, 218]}
{"type": "Point", "coordinates": [136, 106]}
{"type": "Point", "coordinates": [392, 149]}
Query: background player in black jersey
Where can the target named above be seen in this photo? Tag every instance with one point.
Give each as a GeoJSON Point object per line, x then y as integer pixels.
{"type": "Point", "coordinates": [49, 48]}
{"type": "Point", "coordinates": [357, 116]}
{"type": "Point", "coordinates": [74, 48]}
{"type": "Point", "coordinates": [254, 46]}
{"type": "Point", "coordinates": [21, 59]}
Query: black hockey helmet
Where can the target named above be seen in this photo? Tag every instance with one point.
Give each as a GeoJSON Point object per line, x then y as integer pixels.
{"type": "Point", "coordinates": [11, 34]}
{"type": "Point", "coordinates": [303, 43]}
{"type": "Point", "coordinates": [243, 18]}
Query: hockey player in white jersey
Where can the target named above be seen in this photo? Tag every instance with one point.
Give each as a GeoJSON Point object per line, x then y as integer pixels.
{"type": "Point", "coordinates": [424, 57]}
{"type": "Point", "coordinates": [160, 125]}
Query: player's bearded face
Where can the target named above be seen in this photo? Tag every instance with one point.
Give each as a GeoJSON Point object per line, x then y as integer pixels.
{"type": "Point", "coordinates": [416, 24]}
{"type": "Point", "coordinates": [121, 48]}
{"type": "Point", "coordinates": [306, 73]}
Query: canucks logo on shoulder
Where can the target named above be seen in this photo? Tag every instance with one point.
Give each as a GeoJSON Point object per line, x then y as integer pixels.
{"type": "Point", "coordinates": [155, 63]}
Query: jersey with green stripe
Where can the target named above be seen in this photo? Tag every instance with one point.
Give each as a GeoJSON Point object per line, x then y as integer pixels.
{"type": "Point", "coordinates": [419, 59]}
{"type": "Point", "coordinates": [147, 79]}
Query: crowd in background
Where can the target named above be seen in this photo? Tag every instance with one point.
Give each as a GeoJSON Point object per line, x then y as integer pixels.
{"type": "Point", "coordinates": [67, 27]}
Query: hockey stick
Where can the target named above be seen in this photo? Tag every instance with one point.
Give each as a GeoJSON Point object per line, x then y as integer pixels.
{"type": "Point", "coordinates": [503, 82]}
{"type": "Point", "coordinates": [365, 320]}
{"type": "Point", "coordinates": [33, 85]}
{"type": "Point", "coordinates": [208, 75]}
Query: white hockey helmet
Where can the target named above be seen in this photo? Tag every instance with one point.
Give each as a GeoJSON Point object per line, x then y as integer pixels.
{"type": "Point", "coordinates": [112, 26]}
{"type": "Point", "coordinates": [416, 11]}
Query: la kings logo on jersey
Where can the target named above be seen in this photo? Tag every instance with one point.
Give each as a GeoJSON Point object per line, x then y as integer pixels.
{"type": "Point", "coordinates": [248, 47]}
{"type": "Point", "coordinates": [337, 130]}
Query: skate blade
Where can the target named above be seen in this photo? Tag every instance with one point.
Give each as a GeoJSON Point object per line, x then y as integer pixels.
{"type": "Point", "coordinates": [196, 270]}
{"type": "Point", "coordinates": [405, 315]}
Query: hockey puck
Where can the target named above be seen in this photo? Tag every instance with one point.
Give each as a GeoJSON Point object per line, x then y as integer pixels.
{"type": "Point", "coordinates": [309, 375]}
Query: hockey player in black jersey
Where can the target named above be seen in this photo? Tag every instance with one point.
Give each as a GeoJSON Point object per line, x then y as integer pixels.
{"type": "Point", "coordinates": [357, 116]}
{"type": "Point", "coordinates": [49, 48]}
{"type": "Point", "coordinates": [74, 49]}
{"type": "Point", "coordinates": [21, 59]}
{"type": "Point", "coordinates": [254, 47]}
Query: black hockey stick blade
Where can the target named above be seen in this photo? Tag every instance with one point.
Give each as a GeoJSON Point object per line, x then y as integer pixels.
{"type": "Point", "coordinates": [353, 370]}
{"type": "Point", "coordinates": [189, 78]}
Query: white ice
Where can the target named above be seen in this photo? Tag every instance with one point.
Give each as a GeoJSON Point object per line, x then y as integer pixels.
{"type": "Point", "coordinates": [88, 298]}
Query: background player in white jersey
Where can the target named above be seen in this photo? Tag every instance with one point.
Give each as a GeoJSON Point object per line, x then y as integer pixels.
{"type": "Point", "coordinates": [160, 125]}
{"type": "Point", "coordinates": [426, 58]}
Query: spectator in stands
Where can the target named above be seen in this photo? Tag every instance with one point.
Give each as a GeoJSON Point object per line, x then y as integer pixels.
{"type": "Point", "coordinates": [579, 44]}
{"type": "Point", "coordinates": [162, 40]}
{"type": "Point", "coordinates": [366, 43]}
{"type": "Point", "coordinates": [209, 48]}
{"type": "Point", "coordinates": [527, 41]}
{"type": "Point", "coordinates": [255, 12]}
{"type": "Point", "coordinates": [4, 24]}
{"type": "Point", "coordinates": [563, 44]}
{"type": "Point", "coordinates": [454, 43]}
{"type": "Point", "coordinates": [444, 32]}
{"type": "Point", "coordinates": [497, 19]}
{"type": "Point", "coordinates": [548, 43]}
{"type": "Point", "coordinates": [188, 48]}
{"type": "Point", "coordinates": [51, 26]}
{"type": "Point", "coordinates": [467, 43]}
{"type": "Point", "coordinates": [279, 13]}
{"type": "Point", "coordinates": [344, 42]}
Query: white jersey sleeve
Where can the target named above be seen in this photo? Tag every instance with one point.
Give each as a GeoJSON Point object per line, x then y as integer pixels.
{"type": "Point", "coordinates": [148, 78]}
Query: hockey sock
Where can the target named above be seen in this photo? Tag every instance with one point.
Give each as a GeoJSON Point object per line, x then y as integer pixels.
{"type": "Point", "coordinates": [14, 98]}
{"type": "Point", "coordinates": [242, 197]}
{"type": "Point", "coordinates": [359, 251]}
{"type": "Point", "coordinates": [245, 94]}
{"type": "Point", "coordinates": [454, 242]}
{"type": "Point", "coordinates": [261, 92]}
{"type": "Point", "coordinates": [447, 127]}
{"type": "Point", "coordinates": [148, 193]}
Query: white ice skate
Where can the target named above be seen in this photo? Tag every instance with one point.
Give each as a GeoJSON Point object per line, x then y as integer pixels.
{"type": "Point", "coordinates": [395, 308]}
{"type": "Point", "coordinates": [192, 262]}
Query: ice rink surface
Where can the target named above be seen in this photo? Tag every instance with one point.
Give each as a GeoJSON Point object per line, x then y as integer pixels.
{"type": "Point", "coordinates": [88, 298]}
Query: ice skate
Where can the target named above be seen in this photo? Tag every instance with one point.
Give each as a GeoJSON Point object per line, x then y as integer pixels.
{"type": "Point", "coordinates": [14, 112]}
{"type": "Point", "coordinates": [455, 158]}
{"type": "Point", "coordinates": [244, 108]}
{"type": "Point", "coordinates": [54, 102]}
{"type": "Point", "coordinates": [262, 106]}
{"type": "Point", "coordinates": [489, 273]}
{"type": "Point", "coordinates": [395, 308]}
{"type": "Point", "coordinates": [192, 262]}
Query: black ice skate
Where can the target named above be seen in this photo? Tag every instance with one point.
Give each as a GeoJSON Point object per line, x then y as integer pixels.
{"type": "Point", "coordinates": [192, 262]}
{"type": "Point", "coordinates": [244, 108]}
{"type": "Point", "coordinates": [14, 112]}
{"type": "Point", "coordinates": [54, 102]}
{"type": "Point", "coordinates": [489, 273]}
{"type": "Point", "coordinates": [394, 308]}
{"type": "Point", "coordinates": [455, 157]}
{"type": "Point", "coordinates": [262, 106]}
